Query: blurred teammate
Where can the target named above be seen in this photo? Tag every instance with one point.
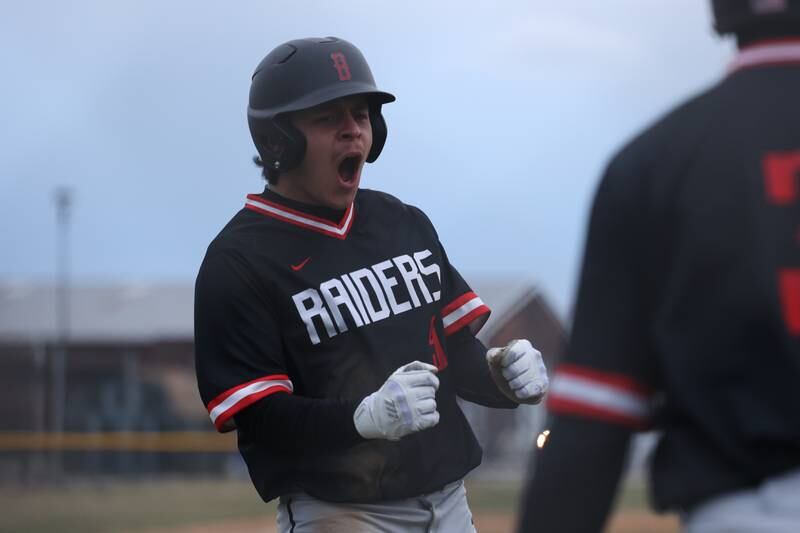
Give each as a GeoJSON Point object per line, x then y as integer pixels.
{"type": "Point", "coordinates": [331, 330]}
{"type": "Point", "coordinates": [687, 318]}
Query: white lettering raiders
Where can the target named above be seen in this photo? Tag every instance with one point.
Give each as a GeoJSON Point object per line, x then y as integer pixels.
{"type": "Point", "coordinates": [341, 298]}
{"type": "Point", "coordinates": [383, 309]}
{"type": "Point", "coordinates": [356, 298]}
{"type": "Point", "coordinates": [379, 298]}
{"type": "Point", "coordinates": [388, 282]}
{"type": "Point", "coordinates": [429, 269]}
{"type": "Point", "coordinates": [408, 271]}
{"type": "Point", "coordinates": [307, 314]}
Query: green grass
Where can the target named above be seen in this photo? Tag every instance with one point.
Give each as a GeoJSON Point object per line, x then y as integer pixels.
{"type": "Point", "coordinates": [129, 506]}
{"type": "Point", "coordinates": [491, 496]}
{"type": "Point", "coordinates": [633, 495]}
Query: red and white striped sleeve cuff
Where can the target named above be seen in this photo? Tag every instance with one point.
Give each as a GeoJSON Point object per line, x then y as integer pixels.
{"type": "Point", "coordinates": [586, 392]}
{"type": "Point", "coordinates": [222, 408]}
{"type": "Point", "coordinates": [467, 309]}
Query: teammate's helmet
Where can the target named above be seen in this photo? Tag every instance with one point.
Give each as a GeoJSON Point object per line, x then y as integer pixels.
{"type": "Point", "coordinates": [735, 16]}
{"type": "Point", "coordinates": [301, 74]}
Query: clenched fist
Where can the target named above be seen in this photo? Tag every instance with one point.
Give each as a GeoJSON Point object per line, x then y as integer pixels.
{"type": "Point", "coordinates": [406, 403]}
{"type": "Point", "coordinates": [519, 371]}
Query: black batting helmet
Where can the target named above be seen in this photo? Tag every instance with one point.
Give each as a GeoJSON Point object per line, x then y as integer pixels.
{"type": "Point", "coordinates": [736, 16]}
{"type": "Point", "coordinates": [301, 74]}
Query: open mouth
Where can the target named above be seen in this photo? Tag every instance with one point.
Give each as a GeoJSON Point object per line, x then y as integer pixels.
{"type": "Point", "coordinates": [348, 168]}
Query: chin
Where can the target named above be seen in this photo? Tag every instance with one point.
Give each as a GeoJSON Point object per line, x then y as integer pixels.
{"type": "Point", "coordinates": [343, 202]}
{"type": "Point", "coordinates": [344, 198]}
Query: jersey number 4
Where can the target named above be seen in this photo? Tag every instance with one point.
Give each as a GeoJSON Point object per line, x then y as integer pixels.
{"type": "Point", "coordinates": [781, 176]}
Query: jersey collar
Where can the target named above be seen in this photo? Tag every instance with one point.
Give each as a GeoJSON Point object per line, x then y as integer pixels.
{"type": "Point", "coordinates": [767, 53]}
{"type": "Point", "coordinates": [275, 209]}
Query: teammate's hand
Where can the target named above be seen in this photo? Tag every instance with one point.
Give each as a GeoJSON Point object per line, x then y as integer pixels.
{"type": "Point", "coordinates": [519, 372]}
{"type": "Point", "coordinates": [406, 403]}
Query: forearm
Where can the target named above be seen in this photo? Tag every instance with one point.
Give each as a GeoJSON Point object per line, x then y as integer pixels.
{"type": "Point", "coordinates": [474, 383]}
{"type": "Point", "coordinates": [575, 478]}
{"type": "Point", "coordinates": [286, 422]}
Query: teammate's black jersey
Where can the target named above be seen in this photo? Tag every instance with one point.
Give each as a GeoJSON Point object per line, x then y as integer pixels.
{"type": "Point", "coordinates": [288, 301]}
{"type": "Point", "coordinates": [688, 311]}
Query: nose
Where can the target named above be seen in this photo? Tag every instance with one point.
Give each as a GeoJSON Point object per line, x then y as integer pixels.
{"type": "Point", "coordinates": [350, 128]}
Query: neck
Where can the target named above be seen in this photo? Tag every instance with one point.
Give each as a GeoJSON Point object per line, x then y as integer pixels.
{"type": "Point", "coordinates": [284, 188]}
{"type": "Point", "coordinates": [755, 35]}
{"type": "Point", "coordinates": [328, 213]}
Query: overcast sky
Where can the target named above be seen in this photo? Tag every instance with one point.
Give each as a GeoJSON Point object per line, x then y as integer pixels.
{"type": "Point", "coordinates": [506, 115]}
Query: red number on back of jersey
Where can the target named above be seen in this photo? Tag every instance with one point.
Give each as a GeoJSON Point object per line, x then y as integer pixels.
{"type": "Point", "coordinates": [789, 287]}
{"type": "Point", "coordinates": [781, 174]}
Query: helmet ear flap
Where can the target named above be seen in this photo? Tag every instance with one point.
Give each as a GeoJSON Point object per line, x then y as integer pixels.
{"type": "Point", "coordinates": [280, 145]}
{"type": "Point", "coordinates": [379, 132]}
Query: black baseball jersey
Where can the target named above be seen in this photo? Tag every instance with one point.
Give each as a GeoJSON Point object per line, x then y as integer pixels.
{"type": "Point", "coordinates": [322, 309]}
{"type": "Point", "coordinates": [688, 311]}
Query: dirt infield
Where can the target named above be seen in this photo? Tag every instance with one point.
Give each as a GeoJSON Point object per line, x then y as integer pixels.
{"type": "Point", "coordinates": [230, 526]}
{"type": "Point", "coordinates": [624, 522]}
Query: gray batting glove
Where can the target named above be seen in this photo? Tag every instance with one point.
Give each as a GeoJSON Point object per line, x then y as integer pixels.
{"type": "Point", "coordinates": [518, 371]}
{"type": "Point", "coordinates": [406, 403]}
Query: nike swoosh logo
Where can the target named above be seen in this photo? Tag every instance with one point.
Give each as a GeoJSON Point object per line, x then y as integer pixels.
{"type": "Point", "coordinates": [300, 265]}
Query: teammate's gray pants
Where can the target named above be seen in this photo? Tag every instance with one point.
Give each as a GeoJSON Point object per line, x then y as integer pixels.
{"type": "Point", "coordinates": [772, 507]}
{"type": "Point", "coordinates": [443, 511]}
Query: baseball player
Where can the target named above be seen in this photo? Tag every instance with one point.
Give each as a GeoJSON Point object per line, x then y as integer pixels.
{"type": "Point", "coordinates": [331, 330]}
{"type": "Point", "coordinates": [687, 317]}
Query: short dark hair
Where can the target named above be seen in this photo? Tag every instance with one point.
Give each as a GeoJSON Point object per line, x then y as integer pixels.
{"type": "Point", "coordinates": [269, 174]}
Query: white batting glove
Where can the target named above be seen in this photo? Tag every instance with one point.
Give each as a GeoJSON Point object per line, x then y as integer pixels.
{"type": "Point", "coordinates": [519, 371]}
{"type": "Point", "coordinates": [405, 403]}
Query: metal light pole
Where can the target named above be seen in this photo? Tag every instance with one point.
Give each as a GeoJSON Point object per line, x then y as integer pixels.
{"type": "Point", "coordinates": [63, 198]}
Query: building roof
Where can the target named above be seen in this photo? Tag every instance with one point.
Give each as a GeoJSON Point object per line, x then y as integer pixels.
{"type": "Point", "coordinates": [97, 313]}
{"type": "Point", "coordinates": [143, 312]}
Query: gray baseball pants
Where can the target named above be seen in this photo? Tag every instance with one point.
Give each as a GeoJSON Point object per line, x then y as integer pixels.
{"type": "Point", "coordinates": [772, 507]}
{"type": "Point", "coordinates": [443, 511]}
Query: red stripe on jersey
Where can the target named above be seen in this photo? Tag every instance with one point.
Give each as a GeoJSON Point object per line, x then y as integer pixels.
{"type": "Point", "coordinates": [467, 309]}
{"type": "Point", "coordinates": [458, 302]}
{"type": "Point", "coordinates": [569, 407]}
{"type": "Point", "coordinates": [303, 220]}
{"type": "Point", "coordinates": [220, 398]}
{"type": "Point", "coordinates": [281, 207]}
{"type": "Point", "coordinates": [767, 53]}
{"type": "Point", "coordinates": [619, 381]}
{"type": "Point", "coordinates": [592, 393]}
{"type": "Point", "coordinates": [222, 408]}
{"type": "Point", "coordinates": [468, 319]}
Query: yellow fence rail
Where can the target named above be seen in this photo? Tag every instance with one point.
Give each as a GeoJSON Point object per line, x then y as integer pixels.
{"type": "Point", "coordinates": [119, 441]}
